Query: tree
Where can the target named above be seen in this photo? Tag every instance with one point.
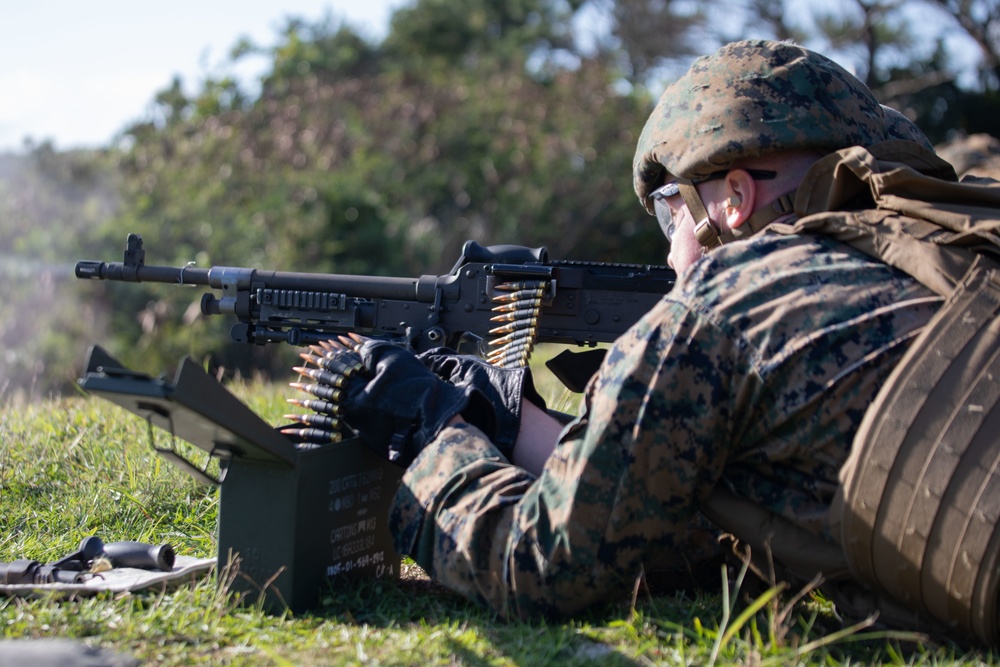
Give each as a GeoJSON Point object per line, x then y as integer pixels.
{"type": "Point", "coordinates": [461, 32]}
{"type": "Point", "coordinates": [649, 34]}
{"type": "Point", "coordinates": [980, 20]}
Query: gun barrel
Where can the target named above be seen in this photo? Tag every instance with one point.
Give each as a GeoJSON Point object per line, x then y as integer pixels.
{"type": "Point", "coordinates": [223, 277]}
{"type": "Point", "coordinates": [180, 275]}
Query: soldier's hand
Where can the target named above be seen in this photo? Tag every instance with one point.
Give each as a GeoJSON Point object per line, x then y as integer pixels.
{"type": "Point", "coordinates": [395, 403]}
{"type": "Point", "coordinates": [503, 388]}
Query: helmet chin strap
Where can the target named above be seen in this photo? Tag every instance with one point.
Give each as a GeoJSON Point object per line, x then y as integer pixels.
{"type": "Point", "coordinates": [710, 236]}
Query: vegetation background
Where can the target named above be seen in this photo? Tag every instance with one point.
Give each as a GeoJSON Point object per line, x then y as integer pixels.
{"type": "Point", "coordinates": [511, 121]}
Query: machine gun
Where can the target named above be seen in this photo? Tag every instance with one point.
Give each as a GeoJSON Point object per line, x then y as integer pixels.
{"type": "Point", "coordinates": [497, 301]}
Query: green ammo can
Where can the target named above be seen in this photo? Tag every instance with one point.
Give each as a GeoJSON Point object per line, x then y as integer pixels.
{"type": "Point", "coordinates": [293, 520]}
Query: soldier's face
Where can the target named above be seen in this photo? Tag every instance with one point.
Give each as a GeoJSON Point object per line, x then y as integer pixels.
{"type": "Point", "coordinates": [684, 247]}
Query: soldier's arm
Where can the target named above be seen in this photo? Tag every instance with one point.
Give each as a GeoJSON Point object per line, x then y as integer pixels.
{"type": "Point", "coordinates": [620, 487]}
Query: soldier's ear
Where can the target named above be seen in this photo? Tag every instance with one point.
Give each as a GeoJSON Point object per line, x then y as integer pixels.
{"type": "Point", "coordinates": [741, 195]}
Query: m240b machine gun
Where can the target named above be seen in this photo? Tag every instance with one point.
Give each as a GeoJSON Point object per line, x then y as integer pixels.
{"type": "Point", "coordinates": [497, 301]}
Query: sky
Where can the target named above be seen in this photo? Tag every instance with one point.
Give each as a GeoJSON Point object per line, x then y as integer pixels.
{"type": "Point", "coordinates": [77, 72]}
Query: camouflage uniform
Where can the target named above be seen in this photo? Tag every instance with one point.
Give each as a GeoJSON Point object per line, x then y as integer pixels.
{"type": "Point", "coordinates": [753, 371]}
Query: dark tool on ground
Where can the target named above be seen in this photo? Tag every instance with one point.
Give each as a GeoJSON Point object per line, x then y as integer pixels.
{"type": "Point", "coordinates": [79, 566]}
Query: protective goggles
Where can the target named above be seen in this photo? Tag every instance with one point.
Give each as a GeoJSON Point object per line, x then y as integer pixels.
{"type": "Point", "coordinates": [672, 189]}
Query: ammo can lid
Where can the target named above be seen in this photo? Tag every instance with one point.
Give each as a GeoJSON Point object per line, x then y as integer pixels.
{"type": "Point", "coordinates": [195, 407]}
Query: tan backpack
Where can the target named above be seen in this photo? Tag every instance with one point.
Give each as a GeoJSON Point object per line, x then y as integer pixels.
{"type": "Point", "coordinates": [918, 512]}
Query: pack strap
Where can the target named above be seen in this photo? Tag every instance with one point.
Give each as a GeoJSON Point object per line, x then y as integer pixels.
{"type": "Point", "coordinates": [917, 221]}
{"type": "Point", "coordinates": [801, 553]}
{"type": "Point", "coordinates": [710, 236]}
{"type": "Point", "coordinates": [792, 553]}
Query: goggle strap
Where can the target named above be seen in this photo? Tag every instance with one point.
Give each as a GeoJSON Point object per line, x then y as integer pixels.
{"type": "Point", "coordinates": [704, 230]}
{"type": "Point", "coordinates": [706, 233]}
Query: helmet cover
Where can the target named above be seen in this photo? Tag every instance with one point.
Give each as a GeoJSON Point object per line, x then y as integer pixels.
{"type": "Point", "coordinates": [898, 126]}
{"type": "Point", "coordinates": [748, 99]}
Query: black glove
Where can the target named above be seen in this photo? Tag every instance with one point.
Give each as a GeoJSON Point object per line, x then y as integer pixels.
{"type": "Point", "coordinates": [502, 388]}
{"type": "Point", "coordinates": [398, 406]}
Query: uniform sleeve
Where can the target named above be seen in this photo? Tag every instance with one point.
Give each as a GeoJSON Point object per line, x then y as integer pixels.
{"type": "Point", "coordinates": [618, 491]}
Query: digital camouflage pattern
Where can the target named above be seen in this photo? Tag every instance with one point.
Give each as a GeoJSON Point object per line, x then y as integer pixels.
{"type": "Point", "coordinates": [754, 372]}
{"type": "Point", "coordinates": [748, 99]}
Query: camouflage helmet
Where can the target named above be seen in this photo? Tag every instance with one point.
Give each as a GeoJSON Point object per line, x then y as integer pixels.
{"type": "Point", "coordinates": [898, 126]}
{"type": "Point", "coordinates": [748, 99]}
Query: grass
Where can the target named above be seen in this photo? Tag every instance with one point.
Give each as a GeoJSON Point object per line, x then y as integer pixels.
{"type": "Point", "coordinates": [79, 466]}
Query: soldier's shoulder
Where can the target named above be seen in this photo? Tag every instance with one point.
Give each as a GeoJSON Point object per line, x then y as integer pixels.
{"type": "Point", "coordinates": [755, 263]}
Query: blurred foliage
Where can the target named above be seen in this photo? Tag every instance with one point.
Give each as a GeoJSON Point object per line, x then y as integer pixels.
{"type": "Point", "coordinates": [506, 122]}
